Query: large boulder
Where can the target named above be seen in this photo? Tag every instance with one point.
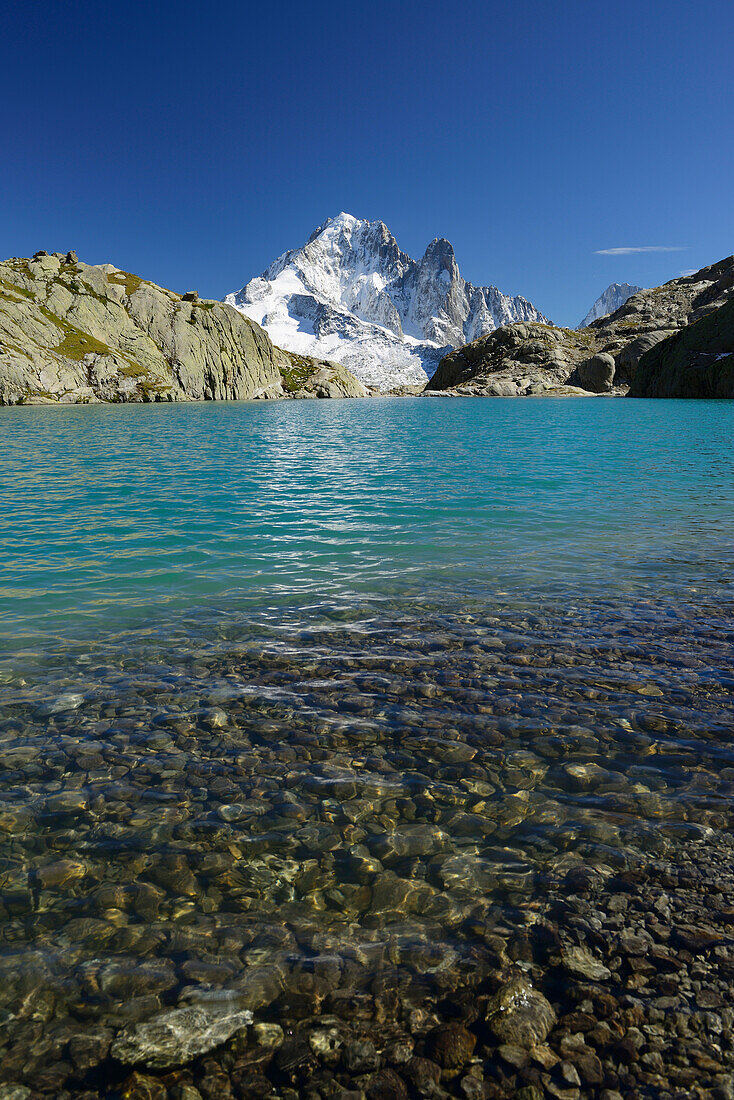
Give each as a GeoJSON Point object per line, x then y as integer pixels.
{"type": "Point", "coordinates": [698, 361]}
{"type": "Point", "coordinates": [597, 373]}
{"type": "Point", "coordinates": [303, 376]}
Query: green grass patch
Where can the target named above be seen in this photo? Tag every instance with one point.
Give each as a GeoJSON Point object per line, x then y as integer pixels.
{"type": "Point", "coordinates": [130, 282]}
{"type": "Point", "coordinates": [6, 296]}
{"type": "Point", "coordinates": [17, 289]}
{"type": "Point", "coordinates": [75, 343]}
{"type": "Point", "coordinates": [133, 370]}
{"type": "Point", "coordinates": [299, 372]}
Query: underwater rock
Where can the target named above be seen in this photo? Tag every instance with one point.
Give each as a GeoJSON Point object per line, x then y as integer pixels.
{"type": "Point", "coordinates": [175, 1037]}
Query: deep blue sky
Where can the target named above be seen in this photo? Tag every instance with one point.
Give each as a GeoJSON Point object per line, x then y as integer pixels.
{"type": "Point", "coordinates": [193, 142]}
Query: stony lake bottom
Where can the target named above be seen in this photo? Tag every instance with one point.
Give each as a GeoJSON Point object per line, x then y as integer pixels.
{"type": "Point", "coordinates": [404, 726]}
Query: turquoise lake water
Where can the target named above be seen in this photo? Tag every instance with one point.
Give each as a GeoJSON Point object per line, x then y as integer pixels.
{"type": "Point", "coordinates": [115, 517]}
{"type": "Point", "coordinates": [326, 707]}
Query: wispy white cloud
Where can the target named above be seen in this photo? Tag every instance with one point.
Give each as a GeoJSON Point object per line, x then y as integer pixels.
{"type": "Point", "coordinates": [688, 271]}
{"type": "Point", "coordinates": [640, 248]}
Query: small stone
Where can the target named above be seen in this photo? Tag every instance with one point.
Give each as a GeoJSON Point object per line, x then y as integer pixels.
{"type": "Point", "coordinates": [513, 1055]}
{"type": "Point", "coordinates": [451, 1046]}
{"type": "Point", "coordinates": [190, 296]}
{"type": "Point", "coordinates": [473, 1088]}
{"type": "Point", "coordinates": [589, 1068]}
{"type": "Point", "coordinates": [140, 1087]}
{"type": "Point", "coordinates": [360, 1056]}
{"type": "Point", "coordinates": [89, 1049]}
{"type": "Point", "coordinates": [175, 1037]}
{"type": "Point", "coordinates": [63, 871]}
{"type": "Point", "coordinates": [232, 812]}
{"type": "Point", "coordinates": [519, 1014]}
{"type": "Point", "coordinates": [635, 943]}
{"type": "Point", "coordinates": [247, 1086]}
{"type": "Point", "coordinates": [69, 803]}
{"type": "Point", "coordinates": [580, 961]}
{"type": "Point", "coordinates": [569, 1074]}
{"type": "Point", "coordinates": [544, 1056]}
{"type": "Point", "coordinates": [387, 1085]}
{"type": "Point", "coordinates": [269, 1036]}
{"type": "Point", "coordinates": [70, 700]}
{"type": "Point", "coordinates": [399, 1052]}
{"type": "Point", "coordinates": [325, 1042]}
{"type": "Point", "coordinates": [654, 1061]}
{"type": "Point", "coordinates": [585, 776]}
{"type": "Point", "coordinates": [627, 1051]}
{"type": "Point", "coordinates": [216, 718]}
{"type": "Point", "coordinates": [693, 940]}
{"type": "Point", "coordinates": [216, 1086]}
{"type": "Point", "coordinates": [72, 258]}
{"type": "Point", "coordinates": [423, 1074]}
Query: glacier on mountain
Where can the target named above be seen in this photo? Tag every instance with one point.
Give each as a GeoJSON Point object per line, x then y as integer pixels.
{"type": "Point", "coordinates": [351, 295]}
{"type": "Point", "coordinates": [613, 297]}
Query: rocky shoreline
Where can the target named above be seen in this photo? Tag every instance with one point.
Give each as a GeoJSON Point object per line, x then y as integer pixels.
{"type": "Point", "coordinates": [77, 333]}
{"type": "Point", "coordinates": [687, 323]}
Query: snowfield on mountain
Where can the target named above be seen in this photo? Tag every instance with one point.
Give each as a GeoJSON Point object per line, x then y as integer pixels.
{"type": "Point", "coordinates": [613, 297]}
{"type": "Point", "coordinates": [352, 296]}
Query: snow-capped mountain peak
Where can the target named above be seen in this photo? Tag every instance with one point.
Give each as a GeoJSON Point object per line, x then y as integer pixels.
{"type": "Point", "coordinates": [613, 297]}
{"type": "Point", "coordinates": [350, 294]}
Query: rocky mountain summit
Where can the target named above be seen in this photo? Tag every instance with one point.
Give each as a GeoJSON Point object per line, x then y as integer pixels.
{"type": "Point", "coordinates": [77, 332]}
{"type": "Point", "coordinates": [613, 297]}
{"type": "Point", "coordinates": [529, 359]}
{"type": "Point", "coordinates": [352, 295]}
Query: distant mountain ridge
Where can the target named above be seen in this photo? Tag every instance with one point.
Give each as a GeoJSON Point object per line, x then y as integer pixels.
{"type": "Point", "coordinates": [350, 294]}
{"type": "Point", "coordinates": [613, 297]}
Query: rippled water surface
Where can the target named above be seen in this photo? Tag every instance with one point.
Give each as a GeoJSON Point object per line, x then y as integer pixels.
{"type": "Point", "coordinates": [125, 514]}
{"type": "Point", "coordinates": [316, 706]}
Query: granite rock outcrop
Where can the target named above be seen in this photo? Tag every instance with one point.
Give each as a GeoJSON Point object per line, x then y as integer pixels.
{"type": "Point", "coordinates": [698, 361]}
{"type": "Point", "coordinates": [526, 359]}
{"type": "Point", "coordinates": [72, 332]}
